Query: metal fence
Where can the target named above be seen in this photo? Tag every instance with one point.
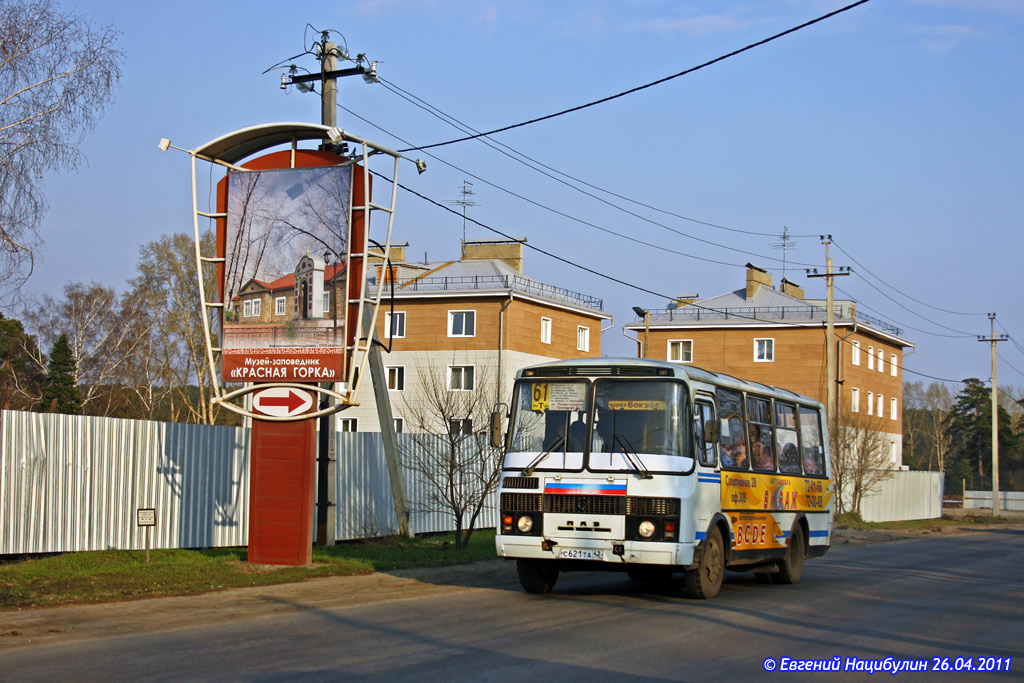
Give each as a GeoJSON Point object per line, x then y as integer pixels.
{"type": "Point", "coordinates": [71, 483]}
{"type": "Point", "coordinates": [904, 495]}
{"type": "Point", "coordinates": [1008, 500]}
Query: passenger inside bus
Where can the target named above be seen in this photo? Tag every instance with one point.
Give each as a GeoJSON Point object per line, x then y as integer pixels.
{"type": "Point", "coordinates": [734, 448]}
{"type": "Point", "coordinates": [812, 461]}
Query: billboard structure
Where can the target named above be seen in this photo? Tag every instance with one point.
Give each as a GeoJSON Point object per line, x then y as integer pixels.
{"type": "Point", "coordinates": [284, 291]}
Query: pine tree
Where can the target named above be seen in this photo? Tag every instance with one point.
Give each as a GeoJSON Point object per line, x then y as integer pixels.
{"type": "Point", "coordinates": [60, 393]}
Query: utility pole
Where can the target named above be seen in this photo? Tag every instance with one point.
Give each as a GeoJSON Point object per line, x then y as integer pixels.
{"type": "Point", "coordinates": [993, 339]}
{"type": "Point", "coordinates": [327, 461]}
{"type": "Point", "coordinates": [830, 314]}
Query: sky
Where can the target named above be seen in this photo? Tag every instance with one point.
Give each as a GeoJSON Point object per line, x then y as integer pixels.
{"type": "Point", "coordinates": [895, 127]}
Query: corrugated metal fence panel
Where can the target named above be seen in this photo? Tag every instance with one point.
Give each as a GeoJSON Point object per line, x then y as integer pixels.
{"type": "Point", "coordinates": [1008, 500]}
{"type": "Point", "coordinates": [70, 483]}
{"type": "Point", "coordinates": [905, 495]}
{"type": "Point", "coordinates": [365, 505]}
{"type": "Point", "coordinates": [74, 483]}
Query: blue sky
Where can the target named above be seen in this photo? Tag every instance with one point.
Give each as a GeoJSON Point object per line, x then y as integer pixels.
{"type": "Point", "coordinates": [894, 127]}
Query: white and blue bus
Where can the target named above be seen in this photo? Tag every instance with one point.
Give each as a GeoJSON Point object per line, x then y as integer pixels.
{"type": "Point", "coordinates": [654, 468]}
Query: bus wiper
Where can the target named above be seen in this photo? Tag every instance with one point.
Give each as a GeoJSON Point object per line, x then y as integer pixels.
{"type": "Point", "coordinates": [528, 471]}
{"type": "Point", "coordinates": [631, 456]}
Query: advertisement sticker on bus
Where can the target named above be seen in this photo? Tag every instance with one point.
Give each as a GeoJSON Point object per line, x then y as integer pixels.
{"type": "Point", "coordinates": [558, 396]}
{"type": "Point", "coordinates": [755, 530]}
{"type": "Point", "coordinates": [746, 491]}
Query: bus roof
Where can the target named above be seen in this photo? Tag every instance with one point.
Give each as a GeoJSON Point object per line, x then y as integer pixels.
{"type": "Point", "coordinates": [640, 367]}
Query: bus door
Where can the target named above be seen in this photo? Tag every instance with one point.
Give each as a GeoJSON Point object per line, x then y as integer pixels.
{"type": "Point", "coordinates": [707, 500]}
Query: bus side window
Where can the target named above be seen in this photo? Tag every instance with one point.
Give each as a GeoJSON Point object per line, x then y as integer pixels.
{"type": "Point", "coordinates": [705, 449]}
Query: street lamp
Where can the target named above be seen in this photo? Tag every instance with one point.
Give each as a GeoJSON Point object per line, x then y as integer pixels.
{"type": "Point", "coordinates": [646, 315]}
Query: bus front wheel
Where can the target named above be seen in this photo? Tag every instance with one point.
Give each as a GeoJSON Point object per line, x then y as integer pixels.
{"type": "Point", "coordinates": [537, 576]}
{"type": "Point", "coordinates": [792, 568]}
{"type": "Point", "coordinates": [706, 580]}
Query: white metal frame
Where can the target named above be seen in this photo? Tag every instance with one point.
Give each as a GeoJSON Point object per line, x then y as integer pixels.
{"type": "Point", "coordinates": [229, 149]}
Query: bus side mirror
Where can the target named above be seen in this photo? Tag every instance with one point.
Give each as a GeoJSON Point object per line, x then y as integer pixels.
{"type": "Point", "coordinates": [711, 432]}
{"type": "Point", "coordinates": [496, 429]}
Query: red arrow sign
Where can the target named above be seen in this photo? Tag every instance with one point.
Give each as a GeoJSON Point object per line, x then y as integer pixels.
{"type": "Point", "coordinates": [282, 401]}
{"type": "Point", "coordinates": [291, 401]}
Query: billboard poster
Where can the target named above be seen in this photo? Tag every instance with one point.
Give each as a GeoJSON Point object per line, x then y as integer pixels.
{"type": "Point", "coordinates": [284, 291]}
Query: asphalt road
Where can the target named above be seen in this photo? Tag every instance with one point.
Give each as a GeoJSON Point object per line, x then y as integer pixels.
{"type": "Point", "coordinates": [925, 599]}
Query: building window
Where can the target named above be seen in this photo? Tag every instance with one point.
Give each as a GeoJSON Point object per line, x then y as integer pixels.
{"type": "Point", "coordinates": [881, 359]}
{"type": "Point", "coordinates": [855, 352]}
{"type": "Point", "coordinates": [881, 406]}
{"type": "Point", "coordinates": [457, 426]}
{"type": "Point", "coordinates": [893, 369]}
{"type": "Point", "coordinates": [582, 338]}
{"type": "Point", "coordinates": [892, 408]}
{"type": "Point", "coordinates": [871, 401]}
{"type": "Point", "coordinates": [460, 378]}
{"type": "Point", "coordinates": [892, 452]}
{"type": "Point", "coordinates": [247, 308]}
{"type": "Point", "coordinates": [394, 325]}
{"type": "Point", "coordinates": [327, 302]}
{"type": "Point", "coordinates": [399, 425]}
{"type": "Point", "coordinates": [545, 330]}
{"type": "Point", "coordinates": [461, 323]}
{"type": "Point", "coordinates": [855, 400]}
{"type": "Point", "coordinates": [764, 350]}
{"type": "Point", "coordinates": [871, 358]}
{"type": "Point", "coordinates": [348, 424]}
{"type": "Point", "coordinates": [396, 378]}
{"type": "Point", "coordinates": [279, 303]}
{"type": "Point", "coordinates": [680, 351]}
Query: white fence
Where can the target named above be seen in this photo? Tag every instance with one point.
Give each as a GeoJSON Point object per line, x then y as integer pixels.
{"type": "Point", "coordinates": [72, 483]}
{"type": "Point", "coordinates": [904, 495]}
{"type": "Point", "coordinates": [1008, 500]}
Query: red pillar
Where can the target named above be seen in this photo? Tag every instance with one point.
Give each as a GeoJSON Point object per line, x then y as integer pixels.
{"type": "Point", "coordinates": [281, 492]}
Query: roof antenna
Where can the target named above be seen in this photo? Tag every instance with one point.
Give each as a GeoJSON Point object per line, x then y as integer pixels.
{"type": "Point", "coordinates": [785, 243]}
{"type": "Point", "coordinates": [464, 201]}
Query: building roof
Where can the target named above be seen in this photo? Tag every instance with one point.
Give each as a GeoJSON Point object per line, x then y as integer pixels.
{"type": "Point", "coordinates": [287, 282]}
{"type": "Point", "coordinates": [767, 308]}
{"type": "Point", "coordinates": [483, 277]}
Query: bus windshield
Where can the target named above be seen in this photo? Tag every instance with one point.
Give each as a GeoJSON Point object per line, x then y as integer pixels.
{"type": "Point", "coordinates": [641, 425]}
{"type": "Point", "coordinates": [550, 423]}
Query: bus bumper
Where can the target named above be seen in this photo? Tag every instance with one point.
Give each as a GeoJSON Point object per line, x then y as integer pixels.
{"type": "Point", "coordinates": [609, 552]}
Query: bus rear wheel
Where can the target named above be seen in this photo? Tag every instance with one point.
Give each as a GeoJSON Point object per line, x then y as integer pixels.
{"type": "Point", "coordinates": [537, 576]}
{"type": "Point", "coordinates": [706, 580]}
{"type": "Point", "coordinates": [791, 569]}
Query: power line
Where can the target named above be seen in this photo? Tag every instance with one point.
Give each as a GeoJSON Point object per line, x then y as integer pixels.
{"type": "Point", "coordinates": [616, 280]}
{"type": "Point", "coordinates": [523, 158]}
{"type": "Point", "coordinates": [864, 268]}
{"type": "Point", "coordinates": [647, 85]}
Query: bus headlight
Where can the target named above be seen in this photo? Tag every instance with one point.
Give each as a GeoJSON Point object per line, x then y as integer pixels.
{"type": "Point", "coordinates": [525, 524]}
{"type": "Point", "coordinates": [647, 529]}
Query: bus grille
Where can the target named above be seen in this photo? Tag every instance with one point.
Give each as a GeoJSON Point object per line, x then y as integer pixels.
{"type": "Point", "coordinates": [580, 504]}
{"type": "Point", "coordinates": [521, 482]}
{"type": "Point", "coordinates": [520, 502]}
{"type": "Point", "coordinates": [652, 507]}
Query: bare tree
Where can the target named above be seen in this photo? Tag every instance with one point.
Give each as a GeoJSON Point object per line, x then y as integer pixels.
{"type": "Point", "coordinates": [167, 287]}
{"type": "Point", "coordinates": [450, 448]}
{"type": "Point", "coordinates": [100, 330]}
{"type": "Point", "coordinates": [58, 73]}
{"type": "Point", "coordinates": [860, 458]}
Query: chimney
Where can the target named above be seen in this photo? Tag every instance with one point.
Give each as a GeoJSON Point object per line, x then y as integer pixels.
{"type": "Point", "coordinates": [755, 277]}
{"type": "Point", "coordinates": [792, 289]}
{"type": "Point", "coordinates": [397, 253]}
{"type": "Point", "coordinates": [508, 251]}
{"type": "Point", "coordinates": [686, 299]}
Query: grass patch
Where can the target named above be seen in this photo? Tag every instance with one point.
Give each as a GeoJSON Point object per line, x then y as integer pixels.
{"type": "Point", "coordinates": [849, 520]}
{"type": "Point", "coordinates": [123, 574]}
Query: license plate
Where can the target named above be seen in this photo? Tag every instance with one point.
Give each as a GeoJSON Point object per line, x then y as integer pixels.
{"type": "Point", "coordinates": [580, 554]}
